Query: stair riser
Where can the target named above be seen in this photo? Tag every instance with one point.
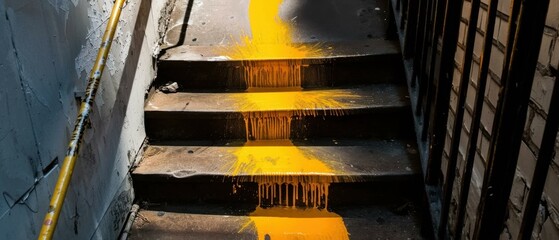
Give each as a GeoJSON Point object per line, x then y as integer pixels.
{"type": "Point", "coordinates": [212, 189]}
{"type": "Point", "coordinates": [313, 73]}
{"type": "Point", "coordinates": [382, 123]}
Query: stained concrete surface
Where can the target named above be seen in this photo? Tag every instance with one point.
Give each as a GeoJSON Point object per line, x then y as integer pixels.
{"type": "Point", "coordinates": [364, 222]}
{"type": "Point", "coordinates": [216, 22]}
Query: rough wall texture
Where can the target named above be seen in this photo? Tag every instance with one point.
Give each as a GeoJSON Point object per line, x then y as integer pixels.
{"type": "Point", "coordinates": [47, 48]}
{"type": "Point", "coordinates": [547, 226]}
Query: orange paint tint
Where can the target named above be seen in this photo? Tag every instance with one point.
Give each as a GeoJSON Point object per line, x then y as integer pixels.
{"type": "Point", "coordinates": [257, 159]}
{"type": "Point", "coordinates": [301, 103]}
{"type": "Point", "coordinates": [272, 74]}
{"type": "Point", "coordinates": [286, 175]}
{"type": "Point", "coordinates": [268, 115]}
{"type": "Point", "coordinates": [267, 125]}
{"type": "Point", "coordinates": [271, 36]}
{"type": "Point", "coordinates": [292, 223]}
{"type": "Point", "coordinates": [278, 59]}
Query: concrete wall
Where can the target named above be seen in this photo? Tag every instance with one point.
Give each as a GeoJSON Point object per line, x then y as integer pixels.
{"type": "Point", "coordinates": [47, 48]}
{"type": "Point", "coordinates": [547, 226]}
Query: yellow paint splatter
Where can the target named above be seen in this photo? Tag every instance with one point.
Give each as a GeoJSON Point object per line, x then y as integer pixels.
{"type": "Point", "coordinates": [297, 101]}
{"type": "Point", "coordinates": [292, 177]}
{"type": "Point", "coordinates": [271, 36]}
{"type": "Point", "coordinates": [256, 158]}
{"type": "Point", "coordinates": [291, 223]}
{"type": "Point", "coordinates": [279, 58]}
{"type": "Point", "coordinates": [268, 115]}
{"type": "Point", "coordinates": [272, 74]}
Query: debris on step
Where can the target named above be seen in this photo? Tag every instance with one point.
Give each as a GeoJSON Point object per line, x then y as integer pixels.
{"type": "Point", "coordinates": [170, 87]}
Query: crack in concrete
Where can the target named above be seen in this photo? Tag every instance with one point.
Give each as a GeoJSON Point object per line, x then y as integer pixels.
{"type": "Point", "coordinates": [11, 131]}
{"type": "Point", "coordinates": [34, 164]}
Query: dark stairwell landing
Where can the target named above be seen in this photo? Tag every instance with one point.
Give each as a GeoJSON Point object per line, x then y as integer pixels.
{"type": "Point", "coordinates": [203, 175]}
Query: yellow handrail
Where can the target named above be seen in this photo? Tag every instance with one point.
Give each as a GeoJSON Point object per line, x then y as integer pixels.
{"type": "Point", "coordinates": [55, 207]}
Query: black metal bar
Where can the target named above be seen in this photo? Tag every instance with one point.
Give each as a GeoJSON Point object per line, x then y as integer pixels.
{"type": "Point", "coordinates": [412, 14]}
{"type": "Point", "coordinates": [465, 184]}
{"type": "Point", "coordinates": [425, 106]}
{"type": "Point", "coordinates": [419, 38]}
{"type": "Point", "coordinates": [419, 55]}
{"type": "Point", "coordinates": [476, 117]}
{"type": "Point", "coordinates": [514, 10]}
{"type": "Point", "coordinates": [438, 26]}
{"type": "Point", "coordinates": [392, 29]}
{"type": "Point", "coordinates": [439, 116]}
{"type": "Point", "coordinates": [545, 156]}
{"type": "Point", "coordinates": [427, 30]}
{"type": "Point", "coordinates": [403, 9]}
{"type": "Point", "coordinates": [505, 146]}
{"type": "Point", "coordinates": [424, 75]}
{"type": "Point", "coordinates": [439, 20]}
{"type": "Point", "coordinates": [422, 56]}
{"type": "Point", "coordinates": [459, 118]}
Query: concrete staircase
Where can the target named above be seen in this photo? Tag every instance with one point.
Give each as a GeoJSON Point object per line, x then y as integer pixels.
{"type": "Point", "coordinates": [286, 147]}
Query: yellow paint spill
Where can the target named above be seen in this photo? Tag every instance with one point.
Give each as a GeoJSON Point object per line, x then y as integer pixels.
{"type": "Point", "coordinates": [291, 178]}
{"type": "Point", "coordinates": [297, 101]}
{"type": "Point", "coordinates": [271, 43]}
{"type": "Point", "coordinates": [292, 223]}
{"type": "Point", "coordinates": [271, 36]}
{"type": "Point", "coordinates": [261, 123]}
{"type": "Point", "coordinates": [256, 158]}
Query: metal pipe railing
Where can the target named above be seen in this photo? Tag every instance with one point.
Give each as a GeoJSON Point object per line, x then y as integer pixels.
{"type": "Point", "coordinates": [61, 188]}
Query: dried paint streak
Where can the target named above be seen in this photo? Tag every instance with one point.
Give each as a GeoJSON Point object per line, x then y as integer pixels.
{"type": "Point", "coordinates": [272, 74]}
{"type": "Point", "coordinates": [268, 115]}
{"type": "Point", "coordinates": [267, 125]}
{"type": "Point", "coordinates": [291, 223]}
{"type": "Point", "coordinates": [294, 177]}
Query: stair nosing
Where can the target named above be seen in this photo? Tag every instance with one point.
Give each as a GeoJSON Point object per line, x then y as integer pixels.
{"type": "Point", "coordinates": [396, 158]}
{"type": "Point", "coordinates": [381, 47]}
{"type": "Point", "coordinates": [241, 102]}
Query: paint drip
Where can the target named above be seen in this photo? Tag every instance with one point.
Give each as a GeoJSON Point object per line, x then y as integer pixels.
{"type": "Point", "coordinates": [293, 178]}
{"type": "Point", "coordinates": [268, 115]}
{"type": "Point", "coordinates": [270, 58]}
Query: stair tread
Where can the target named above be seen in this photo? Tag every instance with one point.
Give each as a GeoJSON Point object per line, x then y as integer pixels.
{"type": "Point", "coordinates": [347, 160]}
{"type": "Point", "coordinates": [365, 97]}
{"type": "Point", "coordinates": [363, 222]}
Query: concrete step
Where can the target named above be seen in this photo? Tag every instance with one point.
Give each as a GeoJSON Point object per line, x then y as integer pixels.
{"type": "Point", "coordinates": [330, 43]}
{"type": "Point", "coordinates": [371, 61]}
{"type": "Point", "coordinates": [357, 222]}
{"type": "Point", "coordinates": [377, 110]}
{"type": "Point", "coordinates": [357, 171]}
